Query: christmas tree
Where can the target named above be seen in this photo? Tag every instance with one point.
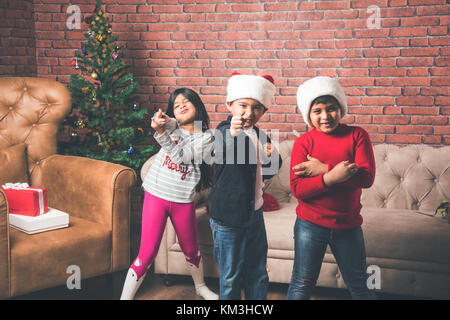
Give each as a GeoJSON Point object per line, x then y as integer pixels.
{"type": "Point", "coordinates": [106, 122]}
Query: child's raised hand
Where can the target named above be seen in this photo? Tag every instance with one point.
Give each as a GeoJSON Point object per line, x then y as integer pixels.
{"type": "Point", "coordinates": [340, 173]}
{"type": "Point", "coordinates": [159, 121]}
{"type": "Point", "coordinates": [237, 124]}
{"type": "Point", "coordinates": [311, 168]}
{"type": "Point", "coordinates": [267, 149]}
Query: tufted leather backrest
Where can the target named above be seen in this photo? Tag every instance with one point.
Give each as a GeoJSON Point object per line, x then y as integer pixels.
{"type": "Point", "coordinates": [31, 110]}
{"type": "Point", "coordinates": [415, 177]}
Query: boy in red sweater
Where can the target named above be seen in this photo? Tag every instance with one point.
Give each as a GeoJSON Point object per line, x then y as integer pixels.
{"type": "Point", "coordinates": [329, 166]}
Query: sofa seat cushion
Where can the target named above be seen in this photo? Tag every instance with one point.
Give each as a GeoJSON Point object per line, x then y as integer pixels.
{"type": "Point", "coordinates": [84, 244]}
{"type": "Point", "coordinates": [280, 227]}
{"type": "Point", "coordinates": [406, 235]}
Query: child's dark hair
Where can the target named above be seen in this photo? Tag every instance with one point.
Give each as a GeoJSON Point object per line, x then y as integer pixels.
{"type": "Point", "coordinates": [200, 115]}
{"type": "Point", "coordinates": [325, 99]}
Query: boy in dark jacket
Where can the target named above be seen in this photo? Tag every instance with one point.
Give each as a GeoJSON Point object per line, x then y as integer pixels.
{"type": "Point", "coordinates": [244, 156]}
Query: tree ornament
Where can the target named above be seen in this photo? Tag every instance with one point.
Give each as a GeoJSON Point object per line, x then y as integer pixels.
{"type": "Point", "coordinates": [80, 123]}
{"type": "Point", "coordinates": [84, 52]}
{"type": "Point", "coordinates": [85, 90]}
{"type": "Point", "coordinates": [115, 55]}
{"type": "Point", "coordinates": [135, 107]}
{"type": "Point", "coordinates": [94, 75]}
{"type": "Point", "coordinates": [130, 150]}
{"type": "Point", "coordinates": [74, 62]}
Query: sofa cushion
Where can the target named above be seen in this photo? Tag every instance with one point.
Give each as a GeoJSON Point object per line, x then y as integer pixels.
{"type": "Point", "coordinates": [84, 244]}
{"type": "Point", "coordinates": [405, 235]}
{"type": "Point", "coordinates": [14, 165]}
{"type": "Point", "coordinates": [280, 226]}
{"type": "Point", "coordinates": [415, 177]}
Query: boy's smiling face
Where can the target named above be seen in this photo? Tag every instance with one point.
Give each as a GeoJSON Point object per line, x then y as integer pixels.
{"type": "Point", "coordinates": [251, 110]}
{"type": "Point", "coordinates": [325, 117]}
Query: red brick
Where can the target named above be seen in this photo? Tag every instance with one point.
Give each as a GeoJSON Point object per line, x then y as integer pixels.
{"type": "Point", "coordinates": [383, 91]}
{"type": "Point", "coordinates": [419, 21]}
{"type": "Point", "coordinates": [441, 130]}
{"type": "Point", "coordinates": [432, 139]}
{"type": "Point", "coordinates": [417, 71]}
{"type": "Point", "coordinates": [430, 120]}
{"type": "Point", "coordinates": [440, 81]}
{"type": "Point", "coordinates": [386, 129]}
{"type": "Point", "coordinates": [421, 110]}
{"type": "Point", "coordinates": [408, 32]}
{"type": "Point", "coordinates": [316, 35]}
{"type": "Point", "coordinates": [328, 54]}
{"type": "Point", "coordinates": [354, 43]}
{"type": "Point", "coordinates": [387, 72]}
{"type": "Point", "coordinates": [391, 119]}
{"type": "Point", "coordinates": [324, 63]}
{"type": "Point", "coordinates": [332, 5]}
{"type": "Point", "coordinates": [418, 52]}
{"type": "Point", "coordinates": [370, 53]}
{"type": "Point", "coordinates": [415, 81]}
{"type": "Point", "coordinates": [415, 101]}
{"type": "Point", "coordinates": [425, 2]}
{"type": "Point", "coordinates": [414, 129]}
{"type": "Point", "coordinates": [411, 62]}
{"type": "Point", "coordinates": [443, 101]}
{"type": "Point", "coordinates": [415, 139]}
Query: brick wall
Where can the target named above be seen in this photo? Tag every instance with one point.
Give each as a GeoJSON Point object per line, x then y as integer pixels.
{"type": "Point", "coordinates": [396, 74]}
{"type": "Point", "coordinates": [17, 40]}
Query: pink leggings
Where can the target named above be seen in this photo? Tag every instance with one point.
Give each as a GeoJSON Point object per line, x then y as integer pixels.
{"type": "Point", "coordinates": [154, 217]}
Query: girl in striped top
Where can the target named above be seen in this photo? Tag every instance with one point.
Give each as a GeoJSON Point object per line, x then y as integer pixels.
{"type": "Point", "coordinates": [177, 171]}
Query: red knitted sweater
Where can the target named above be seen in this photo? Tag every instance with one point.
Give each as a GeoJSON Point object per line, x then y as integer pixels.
{"type": "Point", "coordinates": [336, 207]}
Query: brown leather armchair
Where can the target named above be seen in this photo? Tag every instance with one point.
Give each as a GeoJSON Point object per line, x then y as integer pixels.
{"type": "Point", "coordinates": [95, 194]}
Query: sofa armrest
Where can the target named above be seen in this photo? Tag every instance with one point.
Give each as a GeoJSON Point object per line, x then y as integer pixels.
{"type": "Point", "coordinates": [95, 190]}
{"type": "Point", "coordinates": [4, 247]}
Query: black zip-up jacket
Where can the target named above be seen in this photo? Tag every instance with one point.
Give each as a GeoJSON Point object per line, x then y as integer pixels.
{"type": "Point", "coordinates": [232, 197]}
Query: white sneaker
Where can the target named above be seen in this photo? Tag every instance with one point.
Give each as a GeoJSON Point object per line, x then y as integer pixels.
{"type": "Point", "coordinates": [203, 291]}
{"type": "Point", "coordinates": [131, 285]}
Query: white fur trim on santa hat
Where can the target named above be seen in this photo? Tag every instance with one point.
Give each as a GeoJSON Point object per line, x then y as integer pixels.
{"type": "Point", "coordinates": [242, 86]}
{"type": "Point", "coordinates": [316, 87]}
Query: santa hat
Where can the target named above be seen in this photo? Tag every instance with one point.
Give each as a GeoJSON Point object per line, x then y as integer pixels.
{"type": "Point", "coordinates": [260, 88]}
{"type": "Point", "coordinates": [316, 87]}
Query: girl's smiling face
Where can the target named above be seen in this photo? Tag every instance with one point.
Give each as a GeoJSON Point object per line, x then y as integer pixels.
{"type": "Point", "coordinates": [183, 110]}
{"type": "Point", "coordinates": [325, 117]}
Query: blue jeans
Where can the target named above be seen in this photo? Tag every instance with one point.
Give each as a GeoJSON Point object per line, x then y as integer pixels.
{"type": "Point", "coordinates": [310, 245]}
{"type": "Point", "coordinates": [241, 253]}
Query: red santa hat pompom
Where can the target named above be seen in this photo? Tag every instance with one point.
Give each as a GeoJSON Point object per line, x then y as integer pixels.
{"type": "Point", "coordinates": [316, 87]}
{"type": "Point", "coordinates": [260, 88]}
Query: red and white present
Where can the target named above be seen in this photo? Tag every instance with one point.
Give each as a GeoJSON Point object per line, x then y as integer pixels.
{"type": "Point", "coordinates": [25, 200]}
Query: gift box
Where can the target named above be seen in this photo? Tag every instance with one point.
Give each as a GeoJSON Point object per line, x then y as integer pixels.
{"type": "Point", "coordinates": [25, 200]}
{"type": "Point", "coordinates": [53, 219]}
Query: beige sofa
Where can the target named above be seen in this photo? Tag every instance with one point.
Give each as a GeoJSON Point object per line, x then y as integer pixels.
{"type": "Point", "coordinates": [411, 250]}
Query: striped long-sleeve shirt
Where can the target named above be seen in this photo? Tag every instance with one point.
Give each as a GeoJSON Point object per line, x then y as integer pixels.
{"type": "Point", "coordinates": [175, 171]}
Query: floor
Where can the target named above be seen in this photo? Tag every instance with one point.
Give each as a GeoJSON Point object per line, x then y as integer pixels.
{"type": "Point", "coordinates": [181, 288]}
